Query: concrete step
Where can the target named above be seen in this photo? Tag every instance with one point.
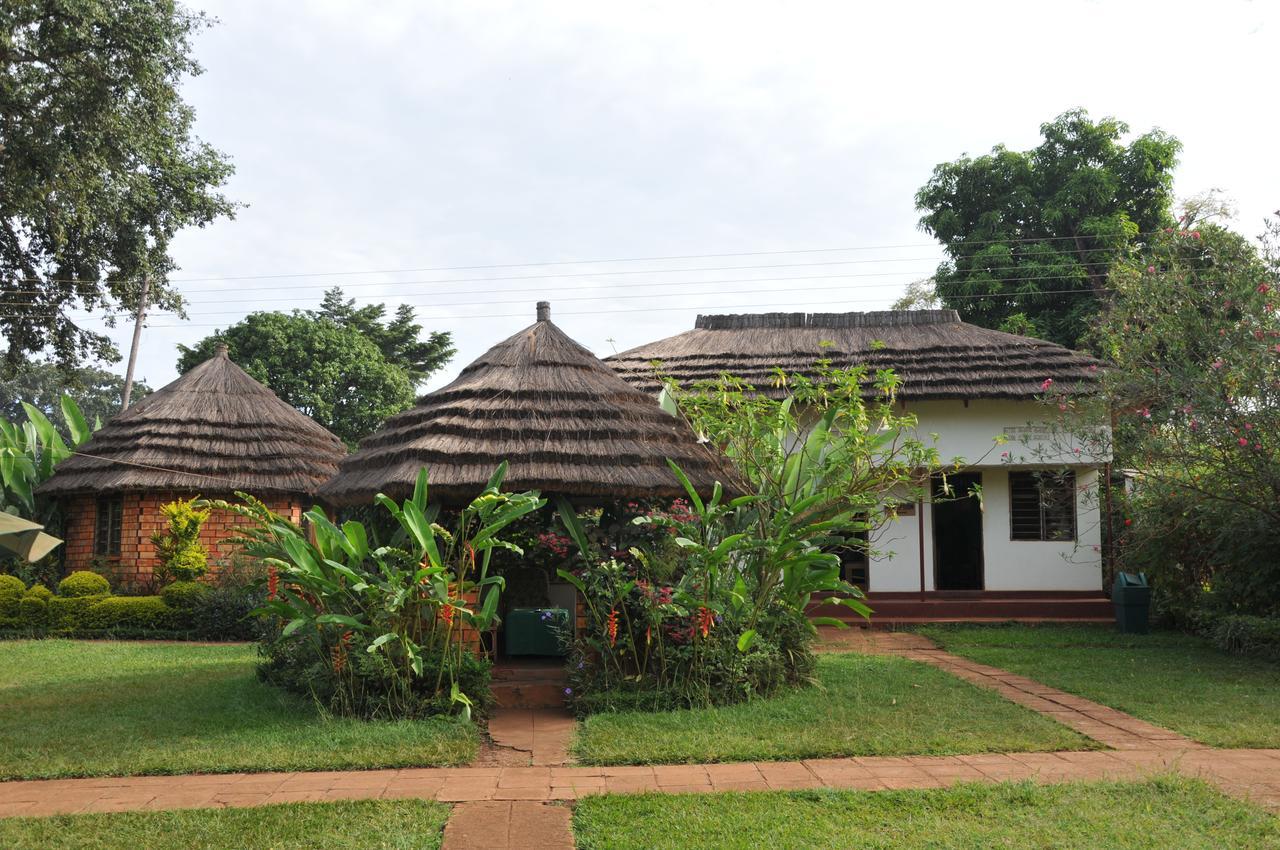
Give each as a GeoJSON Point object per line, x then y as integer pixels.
{"type": "Point", "coordinates": [535, 694]}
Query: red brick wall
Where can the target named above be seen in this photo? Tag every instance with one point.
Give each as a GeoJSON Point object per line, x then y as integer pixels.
{"type": "Point", "coordinates": [141, 519]}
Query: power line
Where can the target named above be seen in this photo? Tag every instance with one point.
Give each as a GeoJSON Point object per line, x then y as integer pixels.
{"type": "Point", "coordinates": [541, 264]}
{"type": "Point", "coordinates": [792, 304]}
{"type": "Point", "coordinates": [616, 297]}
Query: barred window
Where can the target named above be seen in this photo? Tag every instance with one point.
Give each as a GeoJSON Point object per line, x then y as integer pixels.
{"type": "Point", "coordinates": [106, 537]}
{"type": "Point", "coordinates": [1042, 505]}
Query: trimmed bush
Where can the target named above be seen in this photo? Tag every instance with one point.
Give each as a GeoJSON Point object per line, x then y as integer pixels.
{"type": "Point", "coordinates": [131, 613]}
{"type": "Point", "coordinates": [39, 591]}
{"type": "Point", "coordinates": [66, 613]}
{"type": "Point", "coordinates": [184, 595]}
{"type": "Point", "coordinates": [83, 583]}
{"type": "Point", "coordinates": [33, 611]}
{"type": "Point", "coordinates": [11, 591]}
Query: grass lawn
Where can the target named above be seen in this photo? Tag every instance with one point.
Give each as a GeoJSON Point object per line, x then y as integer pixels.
{"type": "Point", "coordinates": [86, 708]}
{"type": "Point", "coordinates": [404, 824]}
{"type": "Point", "coordinates": [1161, 813]}
{"type": "Point", "coordinates": [866, 705]}
{"type": "Point", "coordinates": [1174, 680]}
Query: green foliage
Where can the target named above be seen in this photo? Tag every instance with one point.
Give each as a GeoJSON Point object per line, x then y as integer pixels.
{"type": "Point", "coordinates": [83, 583]}
{"type": "Point", "coordinates": [28, 453]}
{"type": "Point", "coordinates": [398, 339]}
{"type": "Point", "coordinates": [33, 612]}
{"type": "Point", "coordinates": [11, 590]}
{"type": "Point", "coordinates": [184, 595]}
{"type": "Point", "coordinates": [1239, 633]}
{"type": "Point", "coordinates": [1033, 234]}
{"type": "Point", "coordinates": [97, 392]}
{"type": "Point", "coordinates": [130, 614]}
{"type": "Point", "coordinates": [330, 372]}
{"type": "Point", "coordinates": [182, 557]}
{"type": "Point", "coordinates": [1193, 337]}
{"type": "Point", "coordinates": [38, 591]}
{"type": "Point", "coordinates": [720, 616]}
{"type": "Point", "coordinates": [99, 165]}
{"type": "Point", "coordinates": [67, 613]}
{"type": "Point", "coordinates": [375, 630]}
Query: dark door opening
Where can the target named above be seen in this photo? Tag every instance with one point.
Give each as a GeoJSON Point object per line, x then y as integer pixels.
{"type": "Point", "coordinates": [957, 533]}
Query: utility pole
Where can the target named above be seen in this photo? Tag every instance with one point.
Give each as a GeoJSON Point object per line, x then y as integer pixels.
{"type": "Point", "coordinates": [137, 335]}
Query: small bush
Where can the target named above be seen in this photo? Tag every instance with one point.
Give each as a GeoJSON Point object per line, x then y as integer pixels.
{"type": "Point", "coordinates": [39, 591]}
{"type": "Point", "coordinates": [1257, 636]}
{"type": "Point", "coordinates": [224, 613]}
{"type": "Point", "coordinates": [182, 557]}
{"type": "Point", "coordinates": [184, 595]}
{"type": "Point", "coordinates": [11, 587]}
{"type": "Point", "coordinates": [33, 611]}
{"type": "Point", "coordinates": [131, 613]}
{"type": "Point", "coordinates": [83, 583]}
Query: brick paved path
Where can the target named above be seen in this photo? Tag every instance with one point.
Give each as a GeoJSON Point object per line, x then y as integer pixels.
{"type": "Point", "coordinates": [543, 733]}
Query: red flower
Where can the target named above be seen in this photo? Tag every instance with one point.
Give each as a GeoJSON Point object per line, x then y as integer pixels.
{"type": "Point", "coordinates": [273, 582]}
{"type": "Point", "coordinates": [446, 614]}
{"type": "Point", "coordinates": [1128, 522]}
{"type": "Point", "coordinates": [705, 621]}
{"type": "Point", "coordinates": [613, 626]}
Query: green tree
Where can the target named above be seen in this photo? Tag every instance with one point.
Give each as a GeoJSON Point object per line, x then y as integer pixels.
{"type": "Point", "coordinates": [1031, 235]}
{"type": "Point", "coordinates": [98, 164]}
{"type": "Point", "coordinates": [331, 373]}
{"type": "Point", "coordinates": [42, 385]}
{"type": "Point", "coordinates": [399, 339]}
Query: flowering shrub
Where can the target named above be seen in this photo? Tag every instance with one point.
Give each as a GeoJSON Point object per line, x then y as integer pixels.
{"type": "Point", "coordinates": [182, 556]}
{"type": "Point", "coordinates": [378, 631]}
{"type": "Point", "coordinates": [711, 607]}
{"type": "Point", "coordinates": [1194, 338]}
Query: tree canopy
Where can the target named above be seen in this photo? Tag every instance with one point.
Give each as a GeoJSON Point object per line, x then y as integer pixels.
{"type": "Point", "coordinates": [1031, 235]}
{"type": "Point", "coordinates": [99, 166]}
{"type": "Point", "coordinates": [342, 366]}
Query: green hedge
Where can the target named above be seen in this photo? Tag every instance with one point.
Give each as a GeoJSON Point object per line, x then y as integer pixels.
{"type": "Point", "coordinates": [131, 613]}
{"type": "Point", "coordinates": [83, 583]}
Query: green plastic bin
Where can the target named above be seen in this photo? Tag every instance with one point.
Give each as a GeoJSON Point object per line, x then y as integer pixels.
{"type": "Point", "coordinates": [1131, 595]}
{"type": "Point", "coordinates": [532, 631]}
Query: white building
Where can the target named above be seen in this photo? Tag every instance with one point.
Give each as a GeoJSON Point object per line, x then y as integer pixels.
{"type": "Point", "coordinates": [1030, 545]}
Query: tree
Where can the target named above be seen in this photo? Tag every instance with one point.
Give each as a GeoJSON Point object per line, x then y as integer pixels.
{"type": "Point", "coordinates": [99, 165]}
{"type": "Point", "coordinates": [331, 373]}
{"type": "Point", "coordinates": [919, 295]}
{"type": "Point", "coordinates": [1031, 235]}
{"type": "Point", "coordinates": [42, 385]}
{"type": "Point", "coordinates": [398, 339]}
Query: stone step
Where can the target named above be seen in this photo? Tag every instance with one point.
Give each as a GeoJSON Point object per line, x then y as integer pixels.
{"type": "Point", "coordinates": [545, 693]}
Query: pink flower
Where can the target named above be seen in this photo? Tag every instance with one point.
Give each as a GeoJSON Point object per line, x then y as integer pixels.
{"type": "Point", "coordinates": [1093, 367]}
{"type": "Point", "coordinates": [1195, 234]}
{"type": "Point", "coordinates": [1004, 455]}
{"type": "Point", "coordinates": [1144, 413]}
{"type": "Point", "coordinates": [1151, 269]}
{"type": "Point", "coordinates": [1217, 364]}
{"type": "Point", "coordinates": [1244, 441]}
{"type": "Point", "coordinates": [1263, 288]}
{"type": "Point", "coordinates": [1248, 426]}
{"type": "Point", "coordinates": [1048, 382]}
{"type": "Point", "coordinates": [1195, 426]}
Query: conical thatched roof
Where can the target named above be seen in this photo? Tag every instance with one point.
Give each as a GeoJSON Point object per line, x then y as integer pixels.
{"type": "Point", "coordinates": [215, 429]}
{"type": "Point", "coordinates": [936, 355]}
{"type": "Point", "coordinates": [562, 419]}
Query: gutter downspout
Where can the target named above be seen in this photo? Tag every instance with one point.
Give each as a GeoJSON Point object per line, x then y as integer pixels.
{"type": "Point", "coordinates": [920, 529]}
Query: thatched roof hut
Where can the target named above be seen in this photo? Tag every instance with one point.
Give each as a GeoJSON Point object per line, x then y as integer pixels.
{"type": "Point", "coordinates": [563, 420]}
{"type": "Point", "coordinates": [936, 355]}
{"type": "Point", "coordinates": [215, 429]}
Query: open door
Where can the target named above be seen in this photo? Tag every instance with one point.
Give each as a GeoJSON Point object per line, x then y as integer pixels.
{"type": "Point", "coordinates": [957, 533]}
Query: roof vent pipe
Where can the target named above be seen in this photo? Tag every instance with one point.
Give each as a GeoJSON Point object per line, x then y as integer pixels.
{"type": "Point", "coordinates": [544, 311]}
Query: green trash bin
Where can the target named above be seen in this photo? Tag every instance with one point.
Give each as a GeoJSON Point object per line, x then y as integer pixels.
{"type": "Point", "coordinates": [532, 631]}
{"type": "Point", "coordinates": [1131, 595]}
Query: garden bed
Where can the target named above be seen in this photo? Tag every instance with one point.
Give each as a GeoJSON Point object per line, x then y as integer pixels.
{"type": "Point", "coordinates": [1164, 812]}
{"type": "Point", "coordinates": [1173, 680]}
{"type": "Point", "coordinates": [862, 706]}
{"type": "Point", "coordinates": [366, 824]}
{"type": "Point", "coordinates": [70, 708]}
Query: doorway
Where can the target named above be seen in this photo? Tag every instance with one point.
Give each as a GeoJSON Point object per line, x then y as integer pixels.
{"type": "Point", "coordinates": [957, 532]}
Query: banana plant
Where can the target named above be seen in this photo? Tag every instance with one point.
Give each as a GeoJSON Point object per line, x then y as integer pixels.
{"type": "Point", "coordinates": [29, 452]}
{"type": "Point", "coordinates": [408, 600]}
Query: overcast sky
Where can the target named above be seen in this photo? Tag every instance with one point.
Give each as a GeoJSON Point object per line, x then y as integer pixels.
{"type": "Point", "coordinates": [417, 136]}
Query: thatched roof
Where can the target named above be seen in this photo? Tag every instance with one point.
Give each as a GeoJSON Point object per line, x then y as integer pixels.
{"type": "Point", "coordinates": [215, 429]}
{"type": "Point", "coordinates": [936, 355]}
{"type": "Point", "coordinates": [563, 420]}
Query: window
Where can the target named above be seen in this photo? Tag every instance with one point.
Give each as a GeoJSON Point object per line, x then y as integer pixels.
{"type": "Point", "coordinates": [106, 537]}
{"type": "Point", "coordinates": [1042, 505]}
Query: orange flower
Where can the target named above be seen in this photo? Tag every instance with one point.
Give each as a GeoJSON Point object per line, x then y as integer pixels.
{"type": "Point", "coordinates": [705, 621]}
{"type": "Point", "coordinates": [273, 582]}
{"type": "Point", "coordinates": [446, 614]}
{"type": "Point", "coordinates": [613, 626]}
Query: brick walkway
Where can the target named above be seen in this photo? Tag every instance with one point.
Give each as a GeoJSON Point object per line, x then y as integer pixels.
{"type": "Point", "coordinates": [509, 826]}
{"type": "Point", "coordinates": [543, 733]}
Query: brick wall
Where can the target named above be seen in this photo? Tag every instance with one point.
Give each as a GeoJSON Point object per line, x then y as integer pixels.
{"type": "Point", "coordinates": [141, 519]}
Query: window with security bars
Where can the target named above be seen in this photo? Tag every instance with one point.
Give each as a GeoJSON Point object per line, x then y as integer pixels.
{"type": "Point", "coordinates": [106, 537]}
{"type": "Point", "coordinates": [1042, 505]}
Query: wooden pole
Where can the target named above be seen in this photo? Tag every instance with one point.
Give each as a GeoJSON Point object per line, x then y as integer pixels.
{"type": "Point", "coordinates": [137, 336]}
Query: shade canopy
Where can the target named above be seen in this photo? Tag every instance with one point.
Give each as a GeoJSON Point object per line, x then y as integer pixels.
{"type": "Point", "coordinates": [24, 538]}
{"type": "Point", "coordinates": [564, 421]}
{"type": "Point", "coordinates": [935, 355]}
{"type": "Point", "coordinates": [213, 429]}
